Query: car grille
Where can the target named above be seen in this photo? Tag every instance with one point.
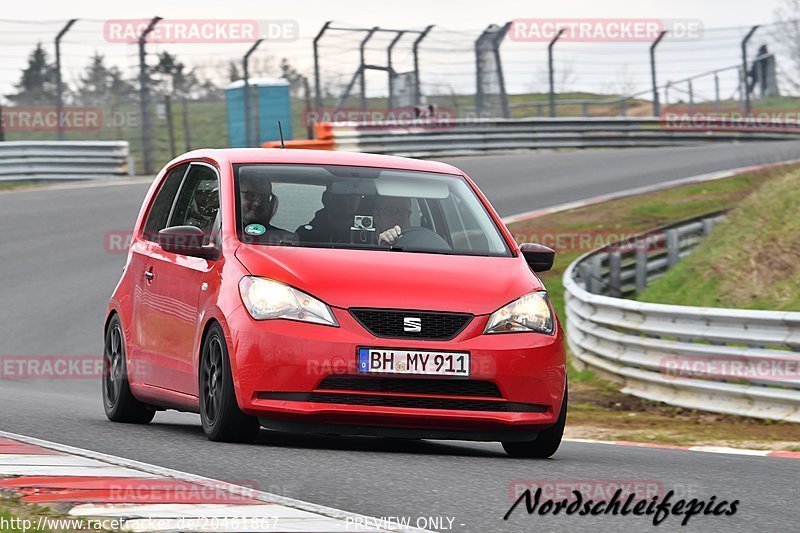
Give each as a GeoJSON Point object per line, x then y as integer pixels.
{"type": "Point", "coordinates": [390, 323]}
{"type": "Point", "coordinates": [432, 386]}
{"type": "Point", "coordinates": [416, 402]}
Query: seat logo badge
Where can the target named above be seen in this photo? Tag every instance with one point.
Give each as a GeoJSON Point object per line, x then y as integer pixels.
{"type": "Point", "coordinates": [412, 324]}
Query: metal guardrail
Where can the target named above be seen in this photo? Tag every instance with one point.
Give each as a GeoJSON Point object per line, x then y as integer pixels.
{"type": "Point", "coordinates": [732, 361]}
{"type": "Point", "coordinates": [480, 136]}
{"type": "Point", "coordinates": [24, 160]}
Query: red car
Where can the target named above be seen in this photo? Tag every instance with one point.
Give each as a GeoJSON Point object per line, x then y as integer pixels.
{"type": "Point", "coordinates": [336, 293]}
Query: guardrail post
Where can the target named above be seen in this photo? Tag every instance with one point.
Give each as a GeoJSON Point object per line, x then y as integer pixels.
{"type": "Point", "coordinates": [614, 274]}
{"type": "Point", "coordinates": [585, 275]}
{"type": "Point", "coordinates": [717, 101]}
{"type": "Point", "coordinates": [641, 267]}
{"type": "Point", "coordinates": [596, 274]}
{"type": "Point", "coordinates": [623, 107]}
{"type": "Point", "coordinates": [585, 109]}
{"type": "Point", "coordinates": [708, 225]}
{"type": "Point", "coordinates": [673, 247]}
{"type": "Point", "coordinates": [691, 96]}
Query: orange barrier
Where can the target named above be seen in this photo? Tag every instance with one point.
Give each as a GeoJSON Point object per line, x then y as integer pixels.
{"type": "Point", "coordinates": [310, 144]}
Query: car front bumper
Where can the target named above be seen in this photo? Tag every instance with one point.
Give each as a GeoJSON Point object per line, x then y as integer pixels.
{"type": "Point", "coordinates": [279, 365]}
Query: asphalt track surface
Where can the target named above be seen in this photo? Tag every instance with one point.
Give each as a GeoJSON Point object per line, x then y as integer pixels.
{"type": "Point", "coordinates": [56, 276]}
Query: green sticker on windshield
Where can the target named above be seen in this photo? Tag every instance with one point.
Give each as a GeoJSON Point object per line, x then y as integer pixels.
{"type": "Point", "coordinates": [255, 229]}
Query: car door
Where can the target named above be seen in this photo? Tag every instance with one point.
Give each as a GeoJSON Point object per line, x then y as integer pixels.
{"type": "Point", "coordinates": [176, 280]}
{"type": "Point", "coordinates": [139, 268]}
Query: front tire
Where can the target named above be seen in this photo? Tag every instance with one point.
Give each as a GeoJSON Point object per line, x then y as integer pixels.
{"type": "Point", "coordinates": [118, 401]}
{"type": "Point", "coordinates": [222, 419]}
{"type": "Point", "coordinates": [548, 441]}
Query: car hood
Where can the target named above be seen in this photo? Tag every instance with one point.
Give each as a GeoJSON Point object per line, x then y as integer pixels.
{"type": "Point", "coordinates": [396, 280]}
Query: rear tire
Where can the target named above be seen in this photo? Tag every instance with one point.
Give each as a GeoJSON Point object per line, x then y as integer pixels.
{"type": "Point", "coordinates": [118, 401]}
{"type": "Point", "coordinates": [546, 444]}
{"type": "Point", "coordinates": [222, 419]}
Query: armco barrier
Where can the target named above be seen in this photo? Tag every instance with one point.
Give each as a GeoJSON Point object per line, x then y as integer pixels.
{"type": "Point", "coordinates": [23, 160]}
{"type": "Point", "coordinates": [480, 136]}
{"type": "Point", "coordinates": [731, 361]}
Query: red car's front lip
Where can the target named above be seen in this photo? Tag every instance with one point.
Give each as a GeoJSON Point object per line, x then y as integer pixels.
{"type": "Point", "coordinates": [277, 361]}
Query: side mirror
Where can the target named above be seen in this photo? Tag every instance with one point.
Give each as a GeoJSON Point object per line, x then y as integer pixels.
{"type": "Point", "coordinates": [540, 258]}
{"type": "Point", "coordinates": [186, 240]}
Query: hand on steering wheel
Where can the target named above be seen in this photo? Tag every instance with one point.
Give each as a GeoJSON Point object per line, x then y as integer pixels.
{"type": "Point", "coordinates": [390, 236]}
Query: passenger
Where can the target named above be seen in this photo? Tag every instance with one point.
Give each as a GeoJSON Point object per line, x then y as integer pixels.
{"type": "Point", "coordinates": [259, 205]}
{"type": "Point", "coordinates": [392, 215]}
{"type": "Point", "coordinates": [332, 223]}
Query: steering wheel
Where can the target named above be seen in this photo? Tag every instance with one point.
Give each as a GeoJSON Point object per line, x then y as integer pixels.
{"type": "Point", "coordinates": [422, 239]}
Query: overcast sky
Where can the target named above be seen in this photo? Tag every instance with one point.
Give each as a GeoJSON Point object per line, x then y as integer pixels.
{"type": "Point", "coordinates": [464, 14]}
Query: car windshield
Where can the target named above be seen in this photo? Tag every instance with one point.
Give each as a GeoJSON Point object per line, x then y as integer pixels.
{"type": "Point", "coordinates": [363, 207]}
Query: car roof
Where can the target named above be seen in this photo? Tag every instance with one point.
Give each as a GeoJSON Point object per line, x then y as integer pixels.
{"type": "Point", "coordinates": [317, 157]}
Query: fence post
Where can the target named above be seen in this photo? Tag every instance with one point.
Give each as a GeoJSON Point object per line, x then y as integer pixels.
{"type": "Point", "coordinates": [59, 85]}
{"type": "Point", "coordinates": [362, 68]}
{"type": "Point", "coordinates": [717, 101]}
{"type": "Point", "coordinates": [144, 98]}
{"type": "Point", "coordinates": [390, 68]}
{"type": "Point", "coordinates": [246, 92]}
{"type": "Point", "coordinates": [187, 135]}
{"type": "Point", "coordinates": [317, 81]}
{"type": "Point", "coordinates": [170, 125]}
{"type": "Point", "coordinates": [415, 49]}
{"type": "Point", "coordinates": [551, 72]}
{"type": "Point", "coordinates": [745, 87]}
{"type": "Point", "coordinates": [656, 103]}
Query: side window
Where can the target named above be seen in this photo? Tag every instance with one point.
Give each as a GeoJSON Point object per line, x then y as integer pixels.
{"type": "Point", "coordinates": [159, 211]}
{"type": "Point", "coordinates": [198, 200]}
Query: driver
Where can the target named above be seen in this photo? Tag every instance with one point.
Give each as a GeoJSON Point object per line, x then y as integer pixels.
{"type": "Point", "coordinates": [258, 207]}
{"type": "Point", "coordinates": [392, 215]}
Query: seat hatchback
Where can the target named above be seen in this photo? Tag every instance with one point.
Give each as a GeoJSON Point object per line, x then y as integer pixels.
{"type": "Point", "coordinates": [335, 293]}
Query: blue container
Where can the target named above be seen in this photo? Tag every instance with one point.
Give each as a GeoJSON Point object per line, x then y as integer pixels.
{"type": "Point", "coordinates": [269, 103]}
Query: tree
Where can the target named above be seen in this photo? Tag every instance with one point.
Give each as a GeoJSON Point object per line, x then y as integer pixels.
{"type": "Point", "coordinates": [100, 85]}
{"type": "Point", "coordinates": [295, 79]}
{"type": "Point", "coordinates": [37, 85]}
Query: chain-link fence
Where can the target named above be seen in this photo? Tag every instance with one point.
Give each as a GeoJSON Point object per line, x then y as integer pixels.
{"type": "Point", "coordinates": [495, 71]}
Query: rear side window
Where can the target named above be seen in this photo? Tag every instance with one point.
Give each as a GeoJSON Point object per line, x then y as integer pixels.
{"type": "Point", "coordinates": [159, 212]}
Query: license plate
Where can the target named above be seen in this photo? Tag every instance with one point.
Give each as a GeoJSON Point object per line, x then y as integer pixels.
{"type": "Point", "coordinates": [390, 361]}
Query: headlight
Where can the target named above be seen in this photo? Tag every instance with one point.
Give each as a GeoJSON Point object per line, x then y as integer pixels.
{"type": "Point", "coordinates": [266, 299]}
{"type": "Point", "coordinates": [532, 312]}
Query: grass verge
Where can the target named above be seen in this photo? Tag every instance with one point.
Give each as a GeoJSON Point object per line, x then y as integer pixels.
{"type": "Point", "coordinates": [597, 409]}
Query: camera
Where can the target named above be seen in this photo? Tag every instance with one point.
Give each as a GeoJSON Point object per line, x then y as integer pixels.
{"type": "Point", "coordinates": [362, 222]}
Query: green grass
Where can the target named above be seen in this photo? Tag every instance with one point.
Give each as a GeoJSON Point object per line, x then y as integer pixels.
{"type": "Point", "coordinates": [7, 185]}
{"type": "Point", "coordinates": [750, 261]}
{"type": "Point", "coordinates": [597, 409]}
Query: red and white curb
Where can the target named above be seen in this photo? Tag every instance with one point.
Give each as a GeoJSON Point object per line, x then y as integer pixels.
{"type": "Point", "coordinates": [711, 176]}
{"type": "Point", "coordinates": [142, 497]}
{"type": "Point", "coordinates": [707, 449]}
